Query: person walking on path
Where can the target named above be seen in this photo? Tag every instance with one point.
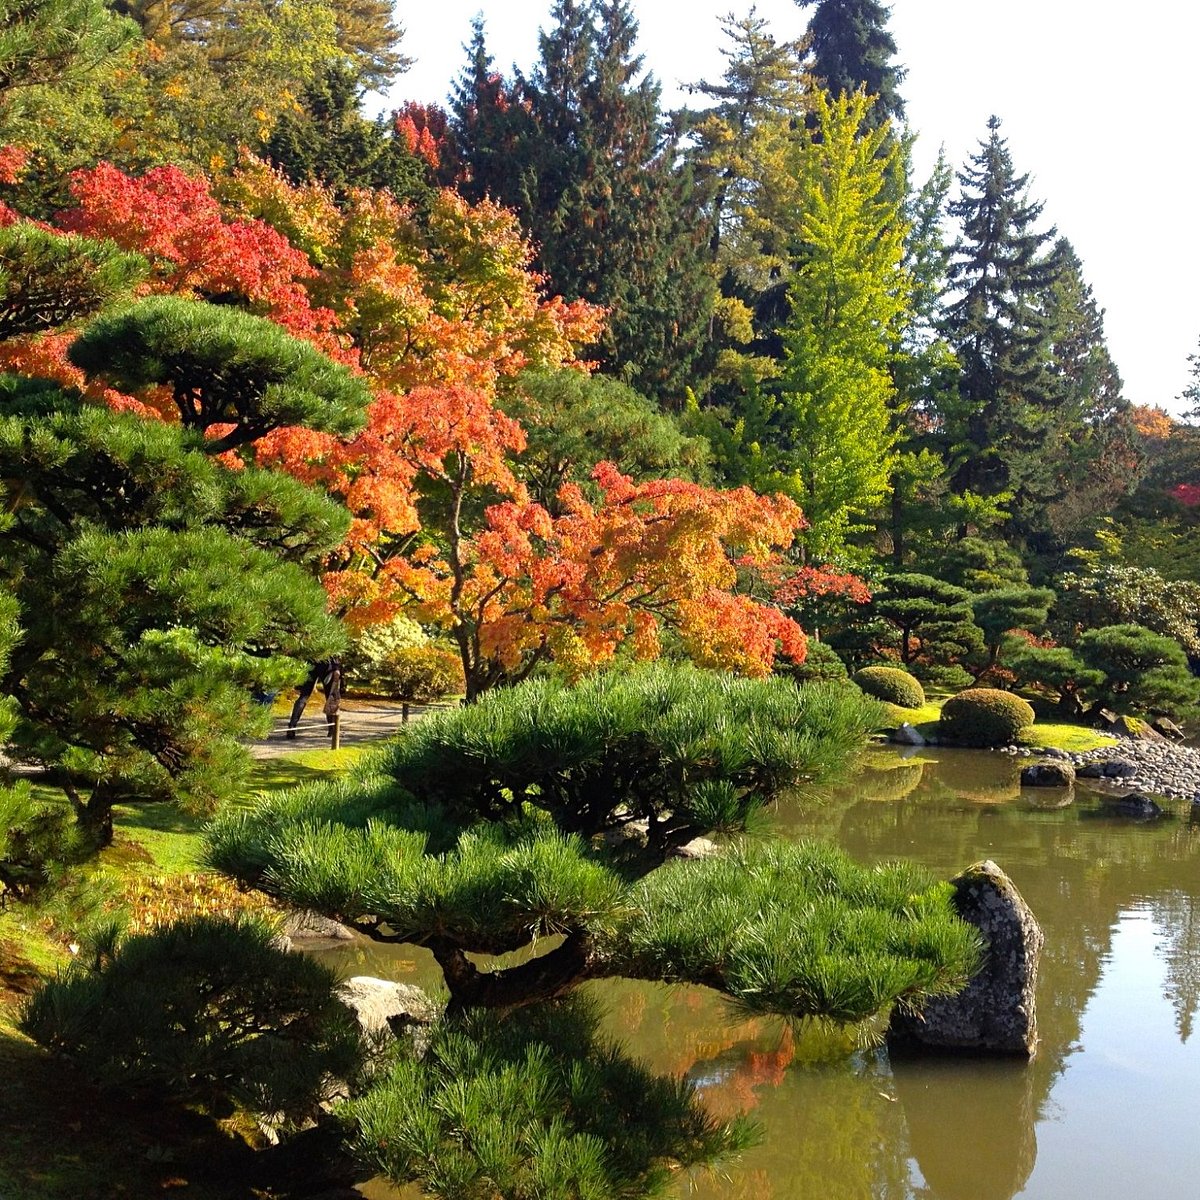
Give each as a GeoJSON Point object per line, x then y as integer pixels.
{"type": "Point", "coordinates": [328, 673]}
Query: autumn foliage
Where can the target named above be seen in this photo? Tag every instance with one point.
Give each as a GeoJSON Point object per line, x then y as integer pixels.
{"type": "Point", "coordinates": [439, 312]}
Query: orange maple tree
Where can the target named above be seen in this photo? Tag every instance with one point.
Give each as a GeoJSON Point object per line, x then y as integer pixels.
{"type": "Point", "coordinates": [440, 310]}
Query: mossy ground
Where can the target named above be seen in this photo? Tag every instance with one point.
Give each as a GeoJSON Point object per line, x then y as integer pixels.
{"type": "Point", "coordinates": [1074, 739]}
{"type": "Point", "coordinates": [64, 1140]}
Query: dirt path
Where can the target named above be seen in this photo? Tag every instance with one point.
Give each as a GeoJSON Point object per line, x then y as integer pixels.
{"type": "Point", "coordinates": [362, 721]}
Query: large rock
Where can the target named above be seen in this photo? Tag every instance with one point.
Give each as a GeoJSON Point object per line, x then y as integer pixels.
{"type": "Point", "coordinates": [304, 925]}
{"type": "Point", "coordinates": [1169, 729]}
{"type": "Point", "coordinates": [1055, 773]}
{"type": "Point", "coordinates": [996, 1013]}
{"type": "Point", "coordinates": [1109, 768]}
{"type": "Point", "coordinates": [382, 1006]}
{"type": "Point", "coordinates": [1132, 727]}
{"type": "Point", "coordinates": [1137, 806]}
{"type": "Point", "coordinates": [908, 735]}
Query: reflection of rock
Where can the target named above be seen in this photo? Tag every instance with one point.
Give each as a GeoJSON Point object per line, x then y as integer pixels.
{"type": "Point", "coordinates": [382, 1006]}
{"type": "Point", "coordinates": [996, 1013]}
{"type": "Point", "coordinates": [980, 776]}
{"type": "Point", "coordinates": [1051, 773]}
{"type": "Point", "coordinates": [1048, 799]}
{"type": "Point", "coordinates": [972, 1131]}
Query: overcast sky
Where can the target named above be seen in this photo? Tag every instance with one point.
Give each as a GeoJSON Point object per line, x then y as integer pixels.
{"type": "Point", "coordinates": [1097, 98]}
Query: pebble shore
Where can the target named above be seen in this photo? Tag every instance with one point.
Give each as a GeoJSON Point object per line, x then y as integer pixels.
{"type": "Point", "coordinates": [1161, 768]}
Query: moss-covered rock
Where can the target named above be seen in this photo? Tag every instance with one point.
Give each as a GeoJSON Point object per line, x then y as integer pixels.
{"type": "Point", "coordinates": [984, 717]}
{"type": "Point", "coordinates": [891, 684]}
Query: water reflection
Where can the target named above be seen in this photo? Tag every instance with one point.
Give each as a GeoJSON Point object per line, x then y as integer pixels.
{"type": "Point", "coordinates": [1103, 1112]}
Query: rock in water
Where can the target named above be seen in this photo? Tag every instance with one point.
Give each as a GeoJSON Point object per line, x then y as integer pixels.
{"type": "Point", "coordinates": [1056, 773]}
{"type": "Point", "coordinates": [908, 735]}
{"type": "Point", "coordinates": [996, 1013]}
{"type": "Point", "coordinates": [1136, 805]}
{"type": "Point", "coordinates": [381, 1005]}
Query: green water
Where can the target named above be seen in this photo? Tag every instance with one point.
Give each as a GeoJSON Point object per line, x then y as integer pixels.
{"type": "Point", "coordinates": [1109, 1109]}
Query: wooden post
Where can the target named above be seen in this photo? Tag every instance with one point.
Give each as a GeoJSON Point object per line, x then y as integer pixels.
{"type": "Point", "coordinates": [404, 713]}
{"type": "Point", "coordinates": [336, 731]}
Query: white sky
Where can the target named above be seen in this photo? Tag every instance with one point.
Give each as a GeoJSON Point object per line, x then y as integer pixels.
{"type": "Point", "coordinates": [1097, 98]}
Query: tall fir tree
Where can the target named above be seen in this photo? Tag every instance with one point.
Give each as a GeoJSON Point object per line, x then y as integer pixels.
{"type": "Point", "coordinates": [740, 148]}
{"type": "Point", "coordinates": [592, 170]}
{"type": "Point", "coordinates": [1001, 331]}
{"type": "Point", "coordinates": [1099, 458]}
{"type": "Point", "coordinates": [851, 47]}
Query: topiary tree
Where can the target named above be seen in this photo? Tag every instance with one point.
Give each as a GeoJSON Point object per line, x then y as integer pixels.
{"type": "Point", "coordinates": [1142, 671]}
{"type": "Point", "coordinates": [544, 811]}
{"type": "Point", "coordinates": [224, 367]}
{"type": "Point", "coordinates": [821, 664]}
{"type": "Point", "coordinates": [927, 611]}
{"type": "Point", "coordinates": [998, 613]}
{"type": "Point", "coordinates": [891, 684]}
{"type": "Point", "coordinates": [158, 592]}
{"type": "Point", "coordinates": [984, 717]}
{"type": "Point", "coordinates": [1057, 668]}
{"type": "Point", "coordinates": [206, 1011]}
{"type": "Point", "coordinates": [508, 795]}
{"type": "Point", "coordinates": [52, 279]}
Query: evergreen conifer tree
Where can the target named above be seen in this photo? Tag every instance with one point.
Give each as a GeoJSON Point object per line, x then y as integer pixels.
{"type": "Point", "coordinates": [592, 173]}
{"type": "Point", "coordinates": [329, 141]}
{"type": "Point", "coordinates": [1000, 330]}
{"type": "Point", "coordinates": [851, 47]}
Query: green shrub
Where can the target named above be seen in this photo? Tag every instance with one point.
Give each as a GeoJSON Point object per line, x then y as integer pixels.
{"type": "Point", "coordinates": [891, 684]}
{"type": "Point", "coordinates": [984, 717]}
{"type": "Point", "coordinates": [421, 673]}
{"type": "Point", "coordinates": [370, 646]}
{"type": "Point", "coordinates": [821, 665]}
{"type": "Point", "coordinates": [206, 1011]}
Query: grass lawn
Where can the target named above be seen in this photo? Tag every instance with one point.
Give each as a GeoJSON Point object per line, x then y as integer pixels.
{"type": "Point", "coordinates": [1074, 739]}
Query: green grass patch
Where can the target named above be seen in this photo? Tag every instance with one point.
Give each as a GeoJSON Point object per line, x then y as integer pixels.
{"type": "Point", "coordinates": [1074, 739]}
{"type": "Point", "coordinates": [924, 719]}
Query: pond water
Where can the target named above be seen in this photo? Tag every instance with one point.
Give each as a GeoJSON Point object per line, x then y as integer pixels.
{"type": "Point", "coordinates": [1109, 1108]}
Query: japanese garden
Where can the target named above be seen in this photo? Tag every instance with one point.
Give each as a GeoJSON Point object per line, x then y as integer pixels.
{"type": "Point", "coordinates": [757, 636]}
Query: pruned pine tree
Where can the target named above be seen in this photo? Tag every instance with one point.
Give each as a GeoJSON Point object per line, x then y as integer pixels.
{"type": "Point", "coordinates": [224, 367]}
{"type": "Point", "coordinates": [52, 279]}
{"type": "Point", "coordinates": [156, 598]}
{"type": "Point", "coordinates": [489, 828]}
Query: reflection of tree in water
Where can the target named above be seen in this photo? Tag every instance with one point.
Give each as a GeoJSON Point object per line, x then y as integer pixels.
{"type": "Point", "coordinates": [1177, 915]}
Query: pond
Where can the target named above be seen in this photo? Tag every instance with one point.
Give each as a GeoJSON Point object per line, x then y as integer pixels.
{"type": "Point", "coordinates": [1109, 1107]}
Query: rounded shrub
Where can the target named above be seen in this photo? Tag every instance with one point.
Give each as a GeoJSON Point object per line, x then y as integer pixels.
{"type": "Point", "coordinates": [891, 684]}
{"type": "Point", "coordinates": [421, 673]}
{"type": "Point", "coordinates": [984, 717]}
